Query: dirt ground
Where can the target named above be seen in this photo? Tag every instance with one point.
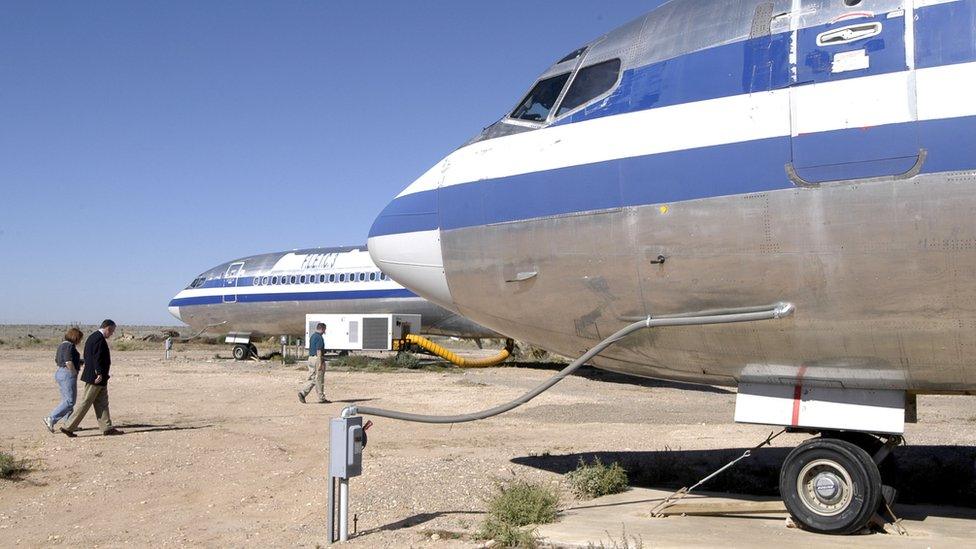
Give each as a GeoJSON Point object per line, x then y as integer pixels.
{"type": "Point", "coordinates": [219, 453]}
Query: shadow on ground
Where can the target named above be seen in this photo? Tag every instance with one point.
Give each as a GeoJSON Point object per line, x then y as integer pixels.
{"type": "Point", "coordinates": [415, 520]}
{"type": "Point", "coordinates": [130, 428]}
{"type": "Point", "coordinates": [595, 374]}
{"type": "Point", "coordinates": [941, 475]}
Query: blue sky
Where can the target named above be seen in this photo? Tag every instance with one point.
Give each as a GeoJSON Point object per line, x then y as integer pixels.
{"type": "Point", "coordinates": [144, 142]}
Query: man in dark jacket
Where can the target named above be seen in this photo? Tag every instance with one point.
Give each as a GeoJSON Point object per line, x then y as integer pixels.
{"type": "Point", "coordinates": [98, 360]}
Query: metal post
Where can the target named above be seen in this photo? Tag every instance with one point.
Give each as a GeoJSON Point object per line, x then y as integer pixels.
{"type": "Point", "coordinates": [330, 523]}
{"type": "Point", "coordinates": [343, 509]}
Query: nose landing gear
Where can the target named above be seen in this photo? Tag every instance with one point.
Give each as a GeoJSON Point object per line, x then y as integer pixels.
{"type": "Point", "coordinates": [830, 486]}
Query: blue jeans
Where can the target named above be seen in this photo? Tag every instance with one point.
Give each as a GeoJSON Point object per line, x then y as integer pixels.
{"type": "Point", "coordinates": [68, 383]}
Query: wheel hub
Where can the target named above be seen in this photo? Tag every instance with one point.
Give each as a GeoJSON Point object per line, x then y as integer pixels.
{"type": "Point", "coordinates": [825, 487]}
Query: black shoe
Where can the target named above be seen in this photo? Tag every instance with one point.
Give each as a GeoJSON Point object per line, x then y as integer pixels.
{"type": "Point", "coordinates": [69, 433]}
{"type": "Point", "coordinates": [301, 397]}
{"type": "Point", "coordinates": [113, 431]}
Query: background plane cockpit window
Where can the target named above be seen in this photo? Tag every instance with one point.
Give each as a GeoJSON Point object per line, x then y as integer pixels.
{"type": "Point", "coordinates": [590, 83]}
{"type": "Point", "coordinates": [537, 104]}
{"type": "Point", "coordinates": [197, 282]}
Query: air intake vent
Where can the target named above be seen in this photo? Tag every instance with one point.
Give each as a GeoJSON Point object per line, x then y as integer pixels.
{"type": "Point", "coordinates": [376, 333]}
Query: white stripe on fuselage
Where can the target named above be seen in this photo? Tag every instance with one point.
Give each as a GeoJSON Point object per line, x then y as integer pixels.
{"type": "Point", "coordinates": [943, 92]}
{"type": "Point", "coordinates": [290, 288]}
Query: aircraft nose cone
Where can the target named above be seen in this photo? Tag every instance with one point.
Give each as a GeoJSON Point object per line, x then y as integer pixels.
{"type": "Point", "coordinates": [405, 243]}
{"type": "Point", "coordinates": [175, 311]}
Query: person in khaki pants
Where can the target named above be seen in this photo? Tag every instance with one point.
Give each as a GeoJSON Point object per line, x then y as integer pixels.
{"type": "Point", "coordinates": [98, 360]}
{"type": "Point", "coordinates": [316, 366]}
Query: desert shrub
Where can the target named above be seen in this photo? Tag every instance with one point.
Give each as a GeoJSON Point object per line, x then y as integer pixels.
{"type": "Point", "coordinates": [290, 360]}
{"type": "Point", "coordinates": [508, 535]}
{"type": "Point", "coordinates": [596, 479]}
{"type": "Point", "coordinates": [517, 504]}
{"type": "Point", "coordinates": [122, 346]}
{"type": "Point", "coordinates": [401, 360]}
{"type": "Point", "coordinates": [11, 467]}
{"type": "Point", "coordinates": [353, 362]}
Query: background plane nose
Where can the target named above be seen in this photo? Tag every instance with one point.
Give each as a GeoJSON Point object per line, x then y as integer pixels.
{"type": "Point", "coordinates": [175, 311]}
{"type": "Point", "coordinates": [405, 243]}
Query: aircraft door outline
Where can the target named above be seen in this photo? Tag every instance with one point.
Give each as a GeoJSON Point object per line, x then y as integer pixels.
{"type": "Point", "coordinates": [230, 281]}
{"type": "Point", "coordinates": [853, 111]}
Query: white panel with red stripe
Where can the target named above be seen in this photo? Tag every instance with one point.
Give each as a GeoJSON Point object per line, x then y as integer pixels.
{"type": "Point", "coordinates": [822, 408]}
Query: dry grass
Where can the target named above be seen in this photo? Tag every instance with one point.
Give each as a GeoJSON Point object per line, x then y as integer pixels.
{"type": "Point", "coordinates": [625, 542]}
{"type": "Point", "coordinates": [11, 467]}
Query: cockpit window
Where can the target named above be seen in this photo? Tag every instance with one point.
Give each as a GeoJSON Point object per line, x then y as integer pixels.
{"type": "Point", "coordinates": [537, 104]}
{"type": "Point", "coordinates": [572, 55]}
{"type": "Point", "coordinates": [197, 282]}
{"type": "Point", "coordinates": [590, 82]}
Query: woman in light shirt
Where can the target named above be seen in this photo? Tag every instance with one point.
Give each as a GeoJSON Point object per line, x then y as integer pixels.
{"type": "Point", "coordinates": [69, 363]}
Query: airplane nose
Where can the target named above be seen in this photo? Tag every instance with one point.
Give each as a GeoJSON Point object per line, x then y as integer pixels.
{"type": "Point", "coordinates": [405, 243]}
{"type": "Point", "coordinates": [175, 311]}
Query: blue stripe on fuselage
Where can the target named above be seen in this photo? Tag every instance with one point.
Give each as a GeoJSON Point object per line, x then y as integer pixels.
{"type": "Point", "coordinates": [945, 34]}
{"type": "Point", "coordinates": [752, 65]}
{"type": "Point", "coordinates": [738, 168]}
{"type": "Point", "coordinates": [294, 296]}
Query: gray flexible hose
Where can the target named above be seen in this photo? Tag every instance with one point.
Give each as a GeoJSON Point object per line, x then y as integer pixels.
{"type": "Point", "coordinates": [779, 310]}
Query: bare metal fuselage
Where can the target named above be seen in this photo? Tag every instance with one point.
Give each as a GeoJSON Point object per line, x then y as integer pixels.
{"type": "Point", "coordinates": [750, 153]}
{"type": "Point", "coordinates": [883, 277]}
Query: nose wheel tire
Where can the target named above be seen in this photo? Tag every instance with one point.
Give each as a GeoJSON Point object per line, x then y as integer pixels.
{"type": "Point", "coordinates": [830, 486]}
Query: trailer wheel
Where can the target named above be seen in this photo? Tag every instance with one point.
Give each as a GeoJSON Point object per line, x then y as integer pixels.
{"type": "Point", "coordinates": [830, 486]}
{"type": "Point", "coordinates": [241, 352]}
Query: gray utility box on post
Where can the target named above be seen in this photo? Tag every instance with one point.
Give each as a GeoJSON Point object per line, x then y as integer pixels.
{"type": "Point", "coordinates": [346, 447]}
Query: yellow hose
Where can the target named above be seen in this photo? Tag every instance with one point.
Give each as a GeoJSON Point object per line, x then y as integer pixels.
{"type": "Point", "coordinates": [450, 356]}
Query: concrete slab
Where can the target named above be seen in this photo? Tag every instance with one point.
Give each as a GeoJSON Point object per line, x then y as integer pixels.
{"type": "Point", "coordinates": [610, 519]}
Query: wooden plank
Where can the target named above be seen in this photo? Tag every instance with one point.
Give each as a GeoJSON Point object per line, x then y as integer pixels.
{"type": "Point", "coordinates": [723, 508]}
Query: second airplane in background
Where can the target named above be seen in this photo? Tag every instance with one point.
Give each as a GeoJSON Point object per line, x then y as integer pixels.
{"type": "Point", "coordinates": [270, 294]}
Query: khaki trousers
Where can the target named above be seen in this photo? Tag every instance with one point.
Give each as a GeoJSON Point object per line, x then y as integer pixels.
{"type": "Point", "coordinates": [97, 396]}
{"type": "Point", "coordinates": [316, 377]}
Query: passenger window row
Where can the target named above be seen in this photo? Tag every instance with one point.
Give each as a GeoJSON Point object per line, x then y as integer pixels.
{"type": "Point", "coordinates": [279, 280]}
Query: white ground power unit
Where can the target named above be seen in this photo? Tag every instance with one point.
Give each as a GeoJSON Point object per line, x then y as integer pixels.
{"type": "Point", "coordinates": [362, 332]}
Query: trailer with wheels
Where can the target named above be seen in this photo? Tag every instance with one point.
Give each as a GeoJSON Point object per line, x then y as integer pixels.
{"type": "Point", "coordinates": [244, 349]}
